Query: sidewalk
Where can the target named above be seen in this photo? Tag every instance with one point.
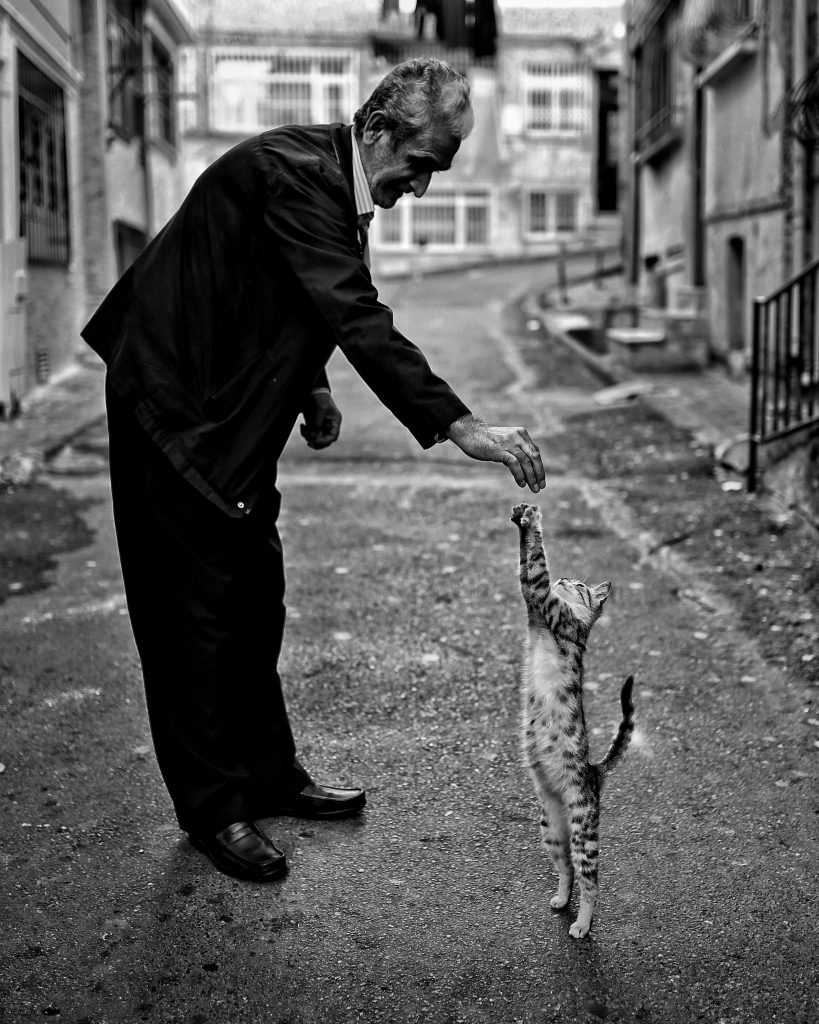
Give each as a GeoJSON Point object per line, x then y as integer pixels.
{"type": "Point", "coordinates": [709, 404]}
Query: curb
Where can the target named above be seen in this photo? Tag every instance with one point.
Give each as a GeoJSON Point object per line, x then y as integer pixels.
{"type": "Point", "coordinates": [612, 375]}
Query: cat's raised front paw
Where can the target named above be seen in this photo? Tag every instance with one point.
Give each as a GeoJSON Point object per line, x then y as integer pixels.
{"type": "Point", "coordinates": [526, 515]}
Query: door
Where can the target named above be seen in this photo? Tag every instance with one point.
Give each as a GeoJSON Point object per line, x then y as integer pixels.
{"type": "Point", "coordinates": [736, 293]}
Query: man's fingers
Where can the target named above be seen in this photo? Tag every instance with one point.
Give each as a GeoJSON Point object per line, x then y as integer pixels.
{"type": "Point", "coordinates": [524, 465]}
{"type": "Point", "coordinates": [528, 469]}
{"type": "Point", "coordinates": [532, 454]}
{"type": "Point", "coordinates": [512, 463]}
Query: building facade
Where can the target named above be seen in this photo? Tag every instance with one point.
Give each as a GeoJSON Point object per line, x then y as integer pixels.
{"type": "Point", "coordinates": [539, 172]}
{"type": "Point", "coordinates": [723, 128]}
{"type": "Point", "coordinates": [88, 165]}
{"type": "Point", "coordinates": [40, 210]}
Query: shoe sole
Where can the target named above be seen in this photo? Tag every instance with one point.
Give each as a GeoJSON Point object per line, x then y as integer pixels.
{"type": "Point", "coordinates": [227, 868]}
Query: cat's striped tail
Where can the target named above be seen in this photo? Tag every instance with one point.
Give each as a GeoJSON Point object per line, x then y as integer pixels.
{"type": "Point", "coordinates": [619, 745]}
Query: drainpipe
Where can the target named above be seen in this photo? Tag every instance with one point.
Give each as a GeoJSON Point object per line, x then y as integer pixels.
{"type": "Point", "coordinates": [808, 187]}
{"type": "Point", "coordinates": [787, 149]}
{"type": "Point", "coordinates": [697, 197]}
{"type": "Point", "coordinates": [633, 160]}
{"type": "Point", "coordinates": [144, 154]}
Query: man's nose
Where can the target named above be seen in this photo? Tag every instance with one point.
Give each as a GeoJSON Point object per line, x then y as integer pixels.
{"type": "Point", "coordinates": [420, 183]}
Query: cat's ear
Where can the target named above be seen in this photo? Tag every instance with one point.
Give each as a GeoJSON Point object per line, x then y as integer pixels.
{"type": "Point", "coordinates": [601, 592]}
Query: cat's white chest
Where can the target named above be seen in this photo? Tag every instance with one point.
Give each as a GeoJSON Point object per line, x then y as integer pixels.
{"type": "Point", "coordinates": [543, 670]}
{"type": "Point", "coordinates": [545, 708]}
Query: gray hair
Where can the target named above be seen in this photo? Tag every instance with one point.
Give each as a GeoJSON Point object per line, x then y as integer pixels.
{"type": "Point", "coordinates": [416, 94]}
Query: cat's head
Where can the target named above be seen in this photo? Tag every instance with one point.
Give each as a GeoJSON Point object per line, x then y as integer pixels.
{"type": "Point", "coordinates": [584, 602]}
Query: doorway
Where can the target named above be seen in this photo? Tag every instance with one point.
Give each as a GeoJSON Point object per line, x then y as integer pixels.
{"type": "Point", "coordinates": [736, 291]}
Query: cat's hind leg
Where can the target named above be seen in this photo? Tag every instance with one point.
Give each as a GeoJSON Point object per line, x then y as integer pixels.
{"type": "Point", "coordinates": [584, 853]}
{"type": "Point", "coordinates": [554, 834]}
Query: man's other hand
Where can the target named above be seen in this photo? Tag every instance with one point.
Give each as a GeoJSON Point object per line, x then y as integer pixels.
{"type": "Point", "coordinates": [510, 445]}
{"type": "Point", "coordinates": [322, 420]}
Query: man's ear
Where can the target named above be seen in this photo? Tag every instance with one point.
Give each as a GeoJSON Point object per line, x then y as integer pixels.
{"type": "Point", "coordinates": [374, 127]}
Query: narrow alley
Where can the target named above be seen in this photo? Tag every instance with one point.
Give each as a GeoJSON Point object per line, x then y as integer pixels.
{"type": "Point", "coordinates": [402, 651]}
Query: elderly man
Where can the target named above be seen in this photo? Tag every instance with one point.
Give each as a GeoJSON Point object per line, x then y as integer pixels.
{"type": "Point", "coordinates": [215, 341]}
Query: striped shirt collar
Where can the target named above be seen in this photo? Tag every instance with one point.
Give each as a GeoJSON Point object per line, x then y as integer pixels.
{"type": "Point", "coordinates": [364, 205]}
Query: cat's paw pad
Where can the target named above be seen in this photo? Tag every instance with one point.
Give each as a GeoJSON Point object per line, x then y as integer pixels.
{"type": "Point", "coordinates": [558, 902]}
{"type": "Point", "coordinates": [525, 515]}
{"type": "Point", "coordinates": [578, 930]}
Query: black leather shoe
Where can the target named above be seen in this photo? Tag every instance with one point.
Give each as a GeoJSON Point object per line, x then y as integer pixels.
{"type": "Point", "coordinates": [314, 801]}
{"type": "Point", "coordinates": [244, 851]}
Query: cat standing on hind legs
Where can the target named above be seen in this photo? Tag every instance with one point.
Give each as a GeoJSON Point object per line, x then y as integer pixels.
{"type": "Point", "coordinates": [555, 744]}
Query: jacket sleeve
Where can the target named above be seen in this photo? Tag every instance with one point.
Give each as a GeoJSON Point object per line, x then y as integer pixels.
{"type": "Point", "coordinates": [306, 213]}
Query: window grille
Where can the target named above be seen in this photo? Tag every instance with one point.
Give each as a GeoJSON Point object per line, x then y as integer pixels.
{"type": "Point", "coordinates": [741, 10]}
{"type": "Point", "coordinates": [446, 219]}
{"type": "Point", "coordinates": [253, 90]}
{"type": "Point", "coordinates": [476, 224]}
{"type": "Point", "coordinates": [390, 226]}
{"type": "Point", "coordinates": [187, 107]}
{"type": "Point", "coordinates": [125, 111]}
{"type": "Point", "coordinates": [656, 91]}
{"type": "Point", "coordinates": [538, 218]}
{"type": "Point", "coordinates": [565, 211]}
{"type": "Point", "coordinates": [557, 98]}
{"type": "Point", "coordinates": [162, 105]}
{"type": "Point", "coordinates": [551, 213]}
{"type": "Point", "coordinates": [433, 223]}
{"type": "Point", "coordinates": [44, 210]}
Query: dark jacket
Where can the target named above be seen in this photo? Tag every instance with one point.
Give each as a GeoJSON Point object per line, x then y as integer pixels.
{"type": "Point", "coordinates": [218, 331]}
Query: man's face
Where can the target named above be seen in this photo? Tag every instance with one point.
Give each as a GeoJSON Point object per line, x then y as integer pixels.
{"type": "Point", "coordinates": [408, 167]}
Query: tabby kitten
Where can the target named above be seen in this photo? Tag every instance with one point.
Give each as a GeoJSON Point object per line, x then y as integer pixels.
{"type": "Point", "coordinates": [555, 745]}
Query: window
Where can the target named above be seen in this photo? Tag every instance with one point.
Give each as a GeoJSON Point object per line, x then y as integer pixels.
{"type": "Point", "coordinates": [44, 212]}
{"type": "Point", "coordinates": [390, 226]}
{"type": "Point", "coordinates": [741, 10]}
{"type": "Point", "coordinates": [187, 105]}
{"type": "Point", "coordinates": [451, 220]}
{"type": "Point", "coordinates": [656, 89]}
{"type": "Point", "coordinates": [551, 213]}
{"type": "Point", "coordinates": [477, 223]}
{"type": "Point", "coordinates": [433, 223]}
{"type": "Point", "coordinates": [608, 141]}
{"type": "Point", "coordinates": [556, 98]}
{"type": "Point", "coordinates": [538, 222]}
{"type": "Point", "coordinates": [253, 90]}
{"type": "Point", "coordinates": [162, 100]}
{"type": "Point", "coordinates": [128, 243]}
{"type": "Point", "coordinates": [565, 211]}
{"type": "Point", "coordinates": [125, 112]}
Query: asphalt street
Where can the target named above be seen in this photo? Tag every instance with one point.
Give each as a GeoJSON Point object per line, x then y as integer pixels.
{"type": "Point", "coordinates": [403, 646]}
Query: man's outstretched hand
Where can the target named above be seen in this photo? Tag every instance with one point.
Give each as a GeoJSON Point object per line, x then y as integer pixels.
{"type": "Point", "coordinates": [322, 420]}
{"type": "Point", "coordinates": [510, 445]}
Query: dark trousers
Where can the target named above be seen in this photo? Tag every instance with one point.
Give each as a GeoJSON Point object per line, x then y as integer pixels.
{"type": "Point", "coordinates": [205, 595]}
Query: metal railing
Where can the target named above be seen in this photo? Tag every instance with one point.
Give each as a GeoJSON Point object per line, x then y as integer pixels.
{"type": "Point", "coordinates": [784, 365]}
